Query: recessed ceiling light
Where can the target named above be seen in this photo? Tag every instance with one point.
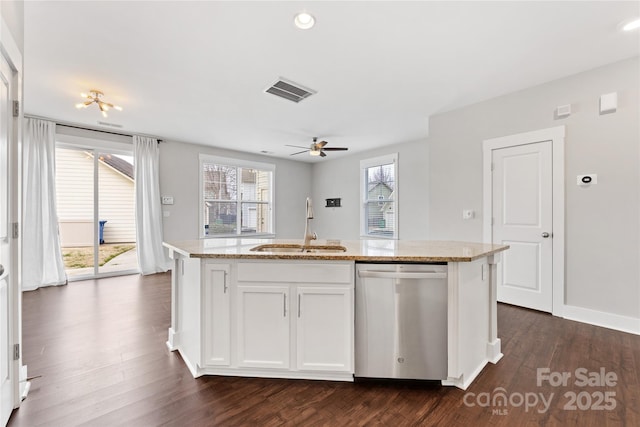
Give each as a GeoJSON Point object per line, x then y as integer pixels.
{"type": "Point", "coordinates": [633, 25]}
{"type": "Point", "coordinates": [304, 20]}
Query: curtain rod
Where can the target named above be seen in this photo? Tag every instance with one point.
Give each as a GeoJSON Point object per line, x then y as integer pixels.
{"type": "Point", "coordinates": [75, 126]}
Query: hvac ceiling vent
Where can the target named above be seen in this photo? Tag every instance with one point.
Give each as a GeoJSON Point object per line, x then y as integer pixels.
{"type": "Point", "coordinates": [289, 90]}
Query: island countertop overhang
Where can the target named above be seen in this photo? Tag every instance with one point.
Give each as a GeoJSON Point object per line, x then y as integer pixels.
{"type": "Point", "coordinates": [364, 250]}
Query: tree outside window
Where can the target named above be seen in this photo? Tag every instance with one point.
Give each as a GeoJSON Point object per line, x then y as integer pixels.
{"type": "Point", "coordinates": [237, 199]}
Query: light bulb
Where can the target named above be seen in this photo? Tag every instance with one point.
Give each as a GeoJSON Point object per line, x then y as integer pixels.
{"type": "Point", "coordinates": [304, 20]}
{"type": "Point", "coordinates": [632, 25]}
{"type": "Point", "coordinates": [80, 105]}
{"type": "Point", "coordinates": [314, 153]}
{"type": "Point", "coordinates": [117, 107]}
{"type": "Point", "coordinates": [104, 114]}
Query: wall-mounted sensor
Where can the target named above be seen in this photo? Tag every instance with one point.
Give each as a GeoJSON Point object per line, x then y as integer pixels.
{"type": "Point", "coordinates": [563, 111]}
{"type": "Point", "coordinates": [608, 103]}
{"type": "Point", "coordinates": [587, 179]}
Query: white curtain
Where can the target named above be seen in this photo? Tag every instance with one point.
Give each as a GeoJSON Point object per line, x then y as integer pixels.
{"type": "Point", "coordinates": [151, 254]}
{"type": "Point", "coordinates": [42, 263]}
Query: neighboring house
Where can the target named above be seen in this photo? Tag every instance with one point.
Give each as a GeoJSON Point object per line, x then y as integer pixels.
{"type": "Point", "coordinates": [221, 183]}
{"type": "Point", "coordinates": [74, 192]}
{"type": "Point", "coordinates": [383, 217]}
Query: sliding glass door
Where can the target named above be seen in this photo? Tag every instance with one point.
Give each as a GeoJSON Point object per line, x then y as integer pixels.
{"type": "Point", "coordinates": [95, 197]}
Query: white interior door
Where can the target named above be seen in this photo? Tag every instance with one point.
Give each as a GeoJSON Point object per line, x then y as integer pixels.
{"type": "Point", "coordinates": [6, 296]}
{"type": "Point", "coordinates": [522, 218]}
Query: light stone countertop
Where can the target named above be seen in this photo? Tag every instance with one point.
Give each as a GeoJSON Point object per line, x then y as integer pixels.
{"type": "Point", "coordinates": [368, 250]}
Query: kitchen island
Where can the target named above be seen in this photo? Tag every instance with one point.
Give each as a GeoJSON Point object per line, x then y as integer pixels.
{"type": "Point", "coordinates": [287, 311]}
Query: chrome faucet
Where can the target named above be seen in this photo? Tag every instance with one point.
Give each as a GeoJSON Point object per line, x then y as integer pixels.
{"type": "Point", "coordinates": [308, 236]}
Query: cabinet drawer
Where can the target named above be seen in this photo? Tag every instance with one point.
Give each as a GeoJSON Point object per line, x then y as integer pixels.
{"type": "Point", "coordinates": [296, 272]}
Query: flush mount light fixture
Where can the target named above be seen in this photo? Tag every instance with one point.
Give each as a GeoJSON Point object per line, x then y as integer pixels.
{"type": "Point", "coordinates": [95, 96]}
{"type": "Point", "coordinates": [304, 20]}
{"type": "Point", "coordinates": [632, 25]}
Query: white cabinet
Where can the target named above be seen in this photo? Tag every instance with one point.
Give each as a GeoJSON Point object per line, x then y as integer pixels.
{"type": "Point", "coordinates": [263, 326]}
{"type": "Point", "coordinates": [216, 315]}
{"type": "Point", "coordinates": [324, 324]}
{"type": "Point", "coordinates": [296, 317]}
{"type": "Point", "coordinates": [267, 318]}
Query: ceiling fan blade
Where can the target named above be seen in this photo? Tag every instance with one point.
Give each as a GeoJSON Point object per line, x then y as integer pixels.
{"type": "Point", "coordinates": [335, 149]}
{"type": "Point", "coordinates": [296, 146]}
{"type": "Point", "coordinates": [321, 143]}
{"type": "Point", "coordinates": [322, 154]}
{"type": "Point", "coordinates": [299, 152]}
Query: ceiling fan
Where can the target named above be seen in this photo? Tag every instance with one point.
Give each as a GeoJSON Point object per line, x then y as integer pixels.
{"type": "Point", "coordinates": [317, 148]}
{"type": "Point", "coordinates": [95, 96]}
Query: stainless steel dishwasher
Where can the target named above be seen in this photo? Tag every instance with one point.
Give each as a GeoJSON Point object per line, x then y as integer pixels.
{"type": "Point", "coordinates": [401, 321]}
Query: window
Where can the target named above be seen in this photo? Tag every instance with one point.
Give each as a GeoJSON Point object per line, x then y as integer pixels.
{"type": "Point", "coordinates": [237, 197]}
{"type": "Point", "coordinates": [379, 195]}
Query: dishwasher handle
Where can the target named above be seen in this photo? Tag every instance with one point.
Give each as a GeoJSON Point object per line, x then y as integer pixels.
{"type": "Point", "coordinates": [402, 275]}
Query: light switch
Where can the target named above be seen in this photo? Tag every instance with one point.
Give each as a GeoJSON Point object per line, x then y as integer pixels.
{"type": "Point", "coordinates": [167, 200]}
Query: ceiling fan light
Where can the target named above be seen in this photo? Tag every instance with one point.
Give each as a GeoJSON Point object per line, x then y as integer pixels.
{"type": "Point", "coordinates": [304, 20]}
{"type": "Point", "coordinates": [117, 107]}
{"type": "Point", "coordinates": [81, 105]}
{"type": "Point", "coordinates": [315, 152]}
{"type": "Point", "coordinates": [104, 114]}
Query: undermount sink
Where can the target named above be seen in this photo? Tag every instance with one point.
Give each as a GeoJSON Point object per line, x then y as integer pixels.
{"type": "Point", "coordinates": [294, 248]}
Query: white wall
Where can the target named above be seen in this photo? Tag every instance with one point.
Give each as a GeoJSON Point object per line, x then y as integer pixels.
{"type": "Point", "coordinates": [179, 175]}
{"type": "Point", "coordinates": [340, 177]}
{"type": "Point", "coordinates": [602, 221]}
{"type": "Point", "coordinates": [12, 13]}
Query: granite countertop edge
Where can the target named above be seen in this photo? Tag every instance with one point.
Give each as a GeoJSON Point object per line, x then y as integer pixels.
{"type": "Point", "coordinates": [358, 250]}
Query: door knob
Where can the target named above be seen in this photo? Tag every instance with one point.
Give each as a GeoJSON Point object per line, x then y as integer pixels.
{"type": "Point", "coordinates": [545, 234]}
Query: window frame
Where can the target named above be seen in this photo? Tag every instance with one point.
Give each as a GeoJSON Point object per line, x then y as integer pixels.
{"type": "Point", "coordinates": [364, 165]}
{"type": "Point", "coordinates": [238, 164]}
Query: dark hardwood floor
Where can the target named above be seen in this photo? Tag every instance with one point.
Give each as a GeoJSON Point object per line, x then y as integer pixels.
{"type": "Point", "coordinates": [97, 350]}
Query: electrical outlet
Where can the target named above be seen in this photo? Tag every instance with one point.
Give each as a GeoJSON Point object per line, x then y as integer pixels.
{"type": "Point", "coordinates": [468, 214]}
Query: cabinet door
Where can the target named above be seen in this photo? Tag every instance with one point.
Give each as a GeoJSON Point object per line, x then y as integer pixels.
{"type": "Point", "coordinates": [216, 319]}
{"type": "Point", "coordinates": [325, 329]}
{"type": "Point", "coordinates": [263, 326]}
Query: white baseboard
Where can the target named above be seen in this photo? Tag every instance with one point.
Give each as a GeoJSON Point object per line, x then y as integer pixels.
{"type": "Point", "coordinates": [172, 340]}
{"type": "Point", "coordinates": [600, 318]}
{"type": "Point", "coordinates": [494, 351]}
{"type": "Point", "coordinates": [463, 381]}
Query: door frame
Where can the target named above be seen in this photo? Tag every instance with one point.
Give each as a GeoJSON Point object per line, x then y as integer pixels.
{"type": "Point", "coordinates": [10, 51]}
{"type": "Point", "coordinates": [556, 135]}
